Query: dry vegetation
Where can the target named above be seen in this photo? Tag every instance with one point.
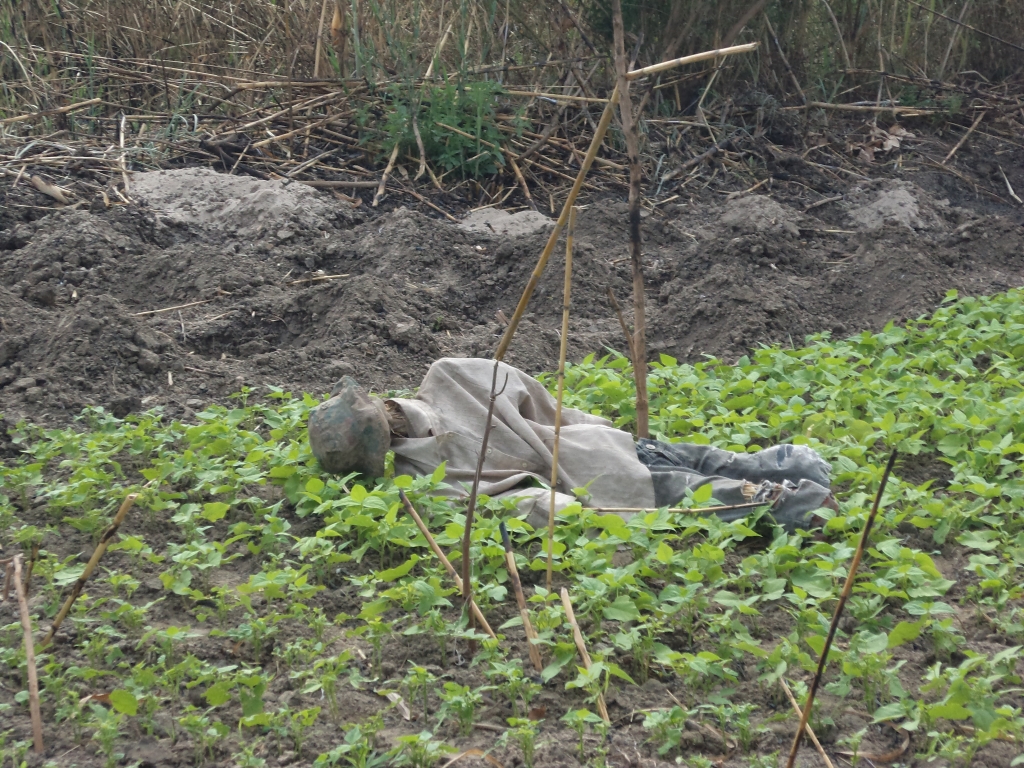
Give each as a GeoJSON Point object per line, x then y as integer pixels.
{"type": "Point", "coordinates": [332, 90]}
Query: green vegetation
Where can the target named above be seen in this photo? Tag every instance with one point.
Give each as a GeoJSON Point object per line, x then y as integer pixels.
{"type": "Point", "coordinates": [252, 607]}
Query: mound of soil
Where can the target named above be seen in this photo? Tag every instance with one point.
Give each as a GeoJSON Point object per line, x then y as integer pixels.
{"type": "Point", "coordinates": [287, 286]}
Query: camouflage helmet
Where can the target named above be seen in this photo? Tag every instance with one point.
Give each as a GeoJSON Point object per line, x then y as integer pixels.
{"type": "Point", "coordinates": [350, 432]}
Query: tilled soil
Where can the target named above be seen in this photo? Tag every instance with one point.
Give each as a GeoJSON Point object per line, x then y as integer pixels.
{"type": "Point", "coordinates": [292, 288]}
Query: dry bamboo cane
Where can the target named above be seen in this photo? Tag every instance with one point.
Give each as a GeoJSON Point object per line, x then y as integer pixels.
{"type": "Point", "coordinates": [847, 589]}
{"type": "Point", "coordinates": [566, 290]}
{"type": "Point", "coordinates": [467, 565]}
{"type": "Point", "coordinates": [91, 565]}
{"type": "Point", "coordinates": [602, 708]}
{"type": "Point", "coordinates": [588, 160]}
{"type": "Point", "coordinates": [30, 659]}
{"type": "Point", "coordinates": [444, 560]}
{"type": "Point", "coordinates": [517, 587]}
{"type": "Point", "coordinates": [810, 733]}
{"type": "Point", "coordinates": [629, 132]}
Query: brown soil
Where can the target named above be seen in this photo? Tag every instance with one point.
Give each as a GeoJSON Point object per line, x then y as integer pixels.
{"type": "Point", "coordinates": [723, 275]}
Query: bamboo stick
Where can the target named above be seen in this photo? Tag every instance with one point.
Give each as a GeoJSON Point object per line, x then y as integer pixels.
{"type": "Point", "coordinates": [30, 660]}
{"type": "Point", "coordinates": [524, 613]}
{"type": "Point", "coordinates": [628, 122]}
{"type": "Point", "coordinates": [595, 144]}
{"type": "Point", "coordinates": [50, 112]}
{"type": "Point", "coordinates": [566, 291]}
{"type": "Point", "coordinates": [847, 589]}
{"type": "Point", "coordinates": [809, 731]}
{"type": "Point", "coordinates": [723, 508]}
{"type": "Point", "coordinates": [588, 160]}
{"type": "Point", "coordinates": [467, 565]}
{"type": "Point", "coordinates": [444, 560]}
{"type": "Point", "coordinates": [91, 565]}
{"type": "Point", "coordinates": [654, 69]}
{"type": "Point", "coordinates": [581, 646]}
{"type": "Point", "coordinates": [963, 139]}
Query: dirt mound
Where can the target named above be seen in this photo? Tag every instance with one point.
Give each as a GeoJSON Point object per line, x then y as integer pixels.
{"type": "Point", "coordinates": [241, 206]}
{"type": "Point", "coordinates": [284, 286]}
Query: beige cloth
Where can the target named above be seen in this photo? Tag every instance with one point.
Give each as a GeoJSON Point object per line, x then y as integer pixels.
{"type": "Point", "coordinates": [445, 422]}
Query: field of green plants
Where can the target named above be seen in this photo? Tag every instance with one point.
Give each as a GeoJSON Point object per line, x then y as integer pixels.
{"type": "Point", "coordinates": [254, 611]}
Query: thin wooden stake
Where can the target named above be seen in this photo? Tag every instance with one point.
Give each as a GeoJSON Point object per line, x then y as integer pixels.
{"type": "Point", "coordinates": [581, 646]}
{"type": "Point", "coordinates": [517, 587]}
{"type": "Point", "coordinates": [542, 262]}
{"type": "Point", "coordinates": [563, 347]}
{"type": "Point", "coordinates": [809, 731]}
{"type": "Point", "coordinates": [847, 589]}
{"type": "Point", "coordinates": [91, 565]}
{"type": "Point", "coordinates": [588, 160]}
{"type": "Point", "coordinates": [30, 660]}
{"type": "Point", "coordinates": [467, 565]}
{"type": "Point", "coordinates": [444, 560]}
{"type": "Point", "coordinates": [628, 122]}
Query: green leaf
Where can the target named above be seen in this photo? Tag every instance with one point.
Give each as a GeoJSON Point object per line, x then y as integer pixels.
{"type": "Point", "coordinates": [124, 702]}
{"type": "Point", "coordinates": [215, 510]}
{"type": "Point", "coordinates": [438, 474]}
{"type": "Point", "coordinates": [904, 632]}
{"type": "Point", "coordinates": [949, 711]}
{"type": "Point", "coordinates": [393, 574]}
{"type": "Point", "coordinates": [218, 693]}
{"type": "Point", "coordinates": [623, 609]}
{"type": "Point", "coordinates": [812, 580]}
{"type": "Point", "coordinates": [664, 553]}
{"type": "Point", "coordinates": [314, 485]}
{"type": "Point", "coordinates": [703, 494]}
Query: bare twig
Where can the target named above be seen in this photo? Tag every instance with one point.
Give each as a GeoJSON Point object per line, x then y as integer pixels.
{"type": "Point", "coordinates": [30, 660]}
{"type": "Point", "coordinates": [847, 589]}
{"type": "Point", "coordinates": [1009, 189]}
{"type": "Point", "coordinates": [581, 646]}
{"type": "Point", "coordinates": [384, 179]}
{"type": "Point", "coordinates": [76, 590]}
{"type": "Point", "coordinates": [963, 139]}
{"type": "Point", "coordinates": [171, 309]}
{"type": "Point", "coordinates": [467, 565]}
{"type": "Point", "coordinates": [444, 560]}
{"type": "Point", "coordinates": [517, 587]}
{"type": "Point", "coordinates": [622, 322]}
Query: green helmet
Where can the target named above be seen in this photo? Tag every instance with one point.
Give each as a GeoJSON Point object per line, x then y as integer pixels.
{"type": "Point", "coordinates": [350, 432]}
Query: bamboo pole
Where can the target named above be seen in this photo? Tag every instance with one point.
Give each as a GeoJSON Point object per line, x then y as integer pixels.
{"type": "Point", "coordinates": [517, 587]}
{"type": "Point", "coordinates": [581, 646]}
{"type": "Point", "coordinates": [108, 534]}
{"type": "Point", "coordinates": [810, 733]}
{"type": "Point", "coordinates": [847, 589]}
{"type": "Point", "coordinates": [467, 565]}
{"type": "Point", "coordinates": [444, 560]}
{"type": "Point", "coordinates": [30, 660]}
{"type": "Point", "coordinates": [563, 347]}
{"type": "Point", "coordinates": [588, 160]}
{"type": "Point", "coordinates": [629, 133]}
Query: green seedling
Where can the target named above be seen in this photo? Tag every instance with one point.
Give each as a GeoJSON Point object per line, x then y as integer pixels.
{"type": "Point", "coordinates": [460, 701]}
{"type": "Point", "coordinates": [418, 751]}
{"type": "Point", "coordinates": [419, 681]}
{"type": "Point", "coordinates": [524, 733]}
